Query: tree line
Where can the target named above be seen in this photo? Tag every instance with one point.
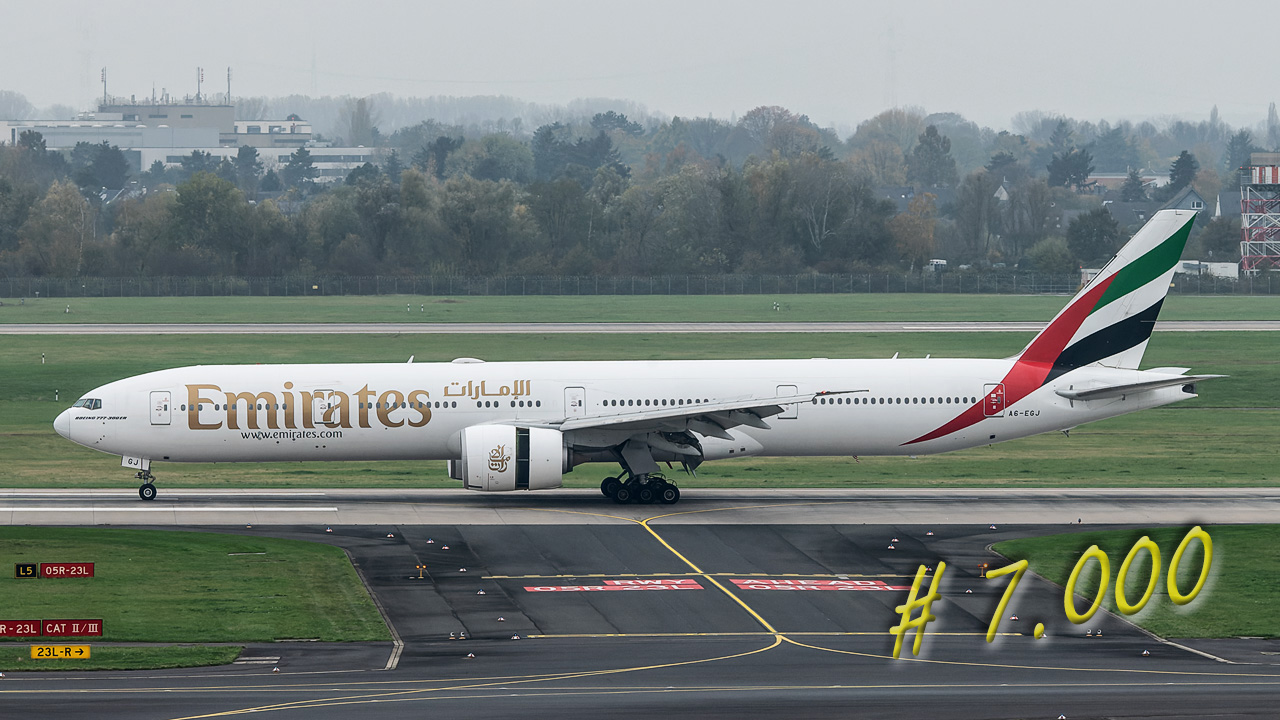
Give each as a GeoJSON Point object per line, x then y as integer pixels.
{"type": "Point", "coordinates": [770, 192]}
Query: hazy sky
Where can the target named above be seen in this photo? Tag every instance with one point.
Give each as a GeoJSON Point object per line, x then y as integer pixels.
{"type": "Point", "coordinates": [838, 62]}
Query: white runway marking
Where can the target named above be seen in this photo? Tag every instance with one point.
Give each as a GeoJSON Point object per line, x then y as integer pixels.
{"type": "Point", "coordinates": [165, 508]}
{"type": "Point", "coordinates": [130, 493]}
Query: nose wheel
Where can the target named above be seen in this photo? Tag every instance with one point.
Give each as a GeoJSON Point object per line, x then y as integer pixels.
{"type": "Point", "coordinates": [148, 489]}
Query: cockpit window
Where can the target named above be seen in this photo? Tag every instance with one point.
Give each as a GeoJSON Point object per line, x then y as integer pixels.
{"type": "Point", "coordinates": [89, 403]}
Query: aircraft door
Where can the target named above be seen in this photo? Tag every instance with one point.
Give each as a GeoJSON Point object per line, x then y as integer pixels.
{"type": "Point", "coordinates": [575, 402]}
{"type": "Point", "coordinates": [789, 412]}
{"type": "Point", "coordinates": [993, 403]}
{"type": "Point", "coordinates": [161, 407]}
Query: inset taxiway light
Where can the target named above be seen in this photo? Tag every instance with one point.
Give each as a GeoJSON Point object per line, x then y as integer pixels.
{"type": "Point", "coordinates": [515, 637]}
{"type": "Point", "coordinates": [1062, 717]}
{"type": "Point", "coordinates": [1099, 633]}
{"type": "Point", "coordinates": [462, 635]}
{"type": "Point", "coordinates": [462, 569]}
{"type": "Point", "coordinates": [1145, 653]}
{"type": "Point", "coordinates": [479, 592]}
{"type": "Point", "coordinates": [444, 547]}
{"type": "Point", "coordinates": [1088, 633]}
{"type": "Point", "coordinates": [894, 540]}
{"type": "Point", "coordinates": [930, 533]}
{"type": "Point", "coordinates": [993, 527]}
{"type": "Point", "coordinates": [328, 529]}
{"type": "Point", "coordinates": [1013, 617]}
{"type": "Point", "coordinates": [452, 636]}
{"type": "Point", "coordinates": [275, 669]}
{"type": "Point", "coordinates": [968, 592]}
{"type": "Point", "coordinates": [502, 619]}
{"type": "Point", "coordinates": [471, 656]}
{"type": "Point", "coordinates": [1, 675]}
{"type": "Point", "coordinates": [891, 547]}
{"type": "Point", "coordinates": [430, 541]}
{"type": "Point", "coordinates": [248, 527]}
{"type": "Point", "coordinates": [390, 535]}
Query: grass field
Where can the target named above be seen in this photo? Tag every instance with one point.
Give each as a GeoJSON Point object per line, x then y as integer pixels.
{"type": "Point", "coordinates": [1238, 600]}
{"type": "Point", "coordinates": [163, 586]}
{"type": "Point", "coordinates": [18, 657]}
{"type": "Point", "coordinates": [603, 308]}
{"type": "Point", "coordinates": [1226, 437]}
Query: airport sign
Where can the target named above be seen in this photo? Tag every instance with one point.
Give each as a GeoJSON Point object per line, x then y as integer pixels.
{"type": "Point", "coordinates": [60, 652]}
{"type": "Point", "coordinates": [71, 628]}
{"type": "Point", "coordinates": [26, 570]}
{"type": "Point", "coordinates": [66, 570]}
{"type": "Point", "coordinates": [19, 628]}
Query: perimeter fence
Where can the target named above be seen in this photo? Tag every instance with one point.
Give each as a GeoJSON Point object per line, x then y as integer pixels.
{"type": "Point", "coordinates": [456, 285]}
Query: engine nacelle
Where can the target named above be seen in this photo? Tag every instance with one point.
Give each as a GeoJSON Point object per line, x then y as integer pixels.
{"type": "Point", "coordinates": [497, 458]}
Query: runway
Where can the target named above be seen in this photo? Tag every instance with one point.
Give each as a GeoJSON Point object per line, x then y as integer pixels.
{"type": "Point", "coordinates": [1049, 506]}
{"type": "Point", "coordinates": [723, 634]}
{"type": "Point", "coordinates": [585, 327]}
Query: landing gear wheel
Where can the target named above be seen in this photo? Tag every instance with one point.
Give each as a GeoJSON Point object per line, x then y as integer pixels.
{"type": "Point", "coordinates": [609, 486]}
{"type": "Point", "coordinates": [624, 495]}
{"type": "Point", "coordinates": [647, 494]}
{"type": "Point", "coordinates": [147, 491]}
{"type": "Point", "coordinates": [669, 495]}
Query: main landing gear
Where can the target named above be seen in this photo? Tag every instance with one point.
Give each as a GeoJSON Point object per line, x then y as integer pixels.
{"type": "Point", "coordinates": [148, 489]}
{"type": "Point", "coordinates": [643, 489]}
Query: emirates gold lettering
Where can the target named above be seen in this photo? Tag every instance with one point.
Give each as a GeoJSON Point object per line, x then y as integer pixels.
{"type": "Point", "coordinates": [248, 410]}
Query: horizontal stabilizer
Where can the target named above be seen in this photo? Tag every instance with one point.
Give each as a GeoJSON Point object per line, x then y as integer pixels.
{"type": "Point", "coordinates": [1109, 391]}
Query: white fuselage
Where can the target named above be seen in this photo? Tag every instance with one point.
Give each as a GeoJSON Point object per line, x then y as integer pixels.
{"type": "Point", "coordinates": [418, 411]}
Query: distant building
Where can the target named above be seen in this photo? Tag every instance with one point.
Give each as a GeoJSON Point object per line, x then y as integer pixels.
{"type": "Point", "coordinates": [168, 131]}
{"type": "Point", "coordinates": [1216, 269]}
{"type": "Point", "coordinates": [1186, 199]}
{"type": "Point", "coordinates": [1115, 181]}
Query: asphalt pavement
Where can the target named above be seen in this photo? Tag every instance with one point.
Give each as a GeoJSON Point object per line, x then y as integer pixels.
{"type": "Point", "coordinates": [627, 614]}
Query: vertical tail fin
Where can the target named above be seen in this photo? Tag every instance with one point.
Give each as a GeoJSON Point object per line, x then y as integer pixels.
{"type": "Point", "coordinates": [1110, 320]}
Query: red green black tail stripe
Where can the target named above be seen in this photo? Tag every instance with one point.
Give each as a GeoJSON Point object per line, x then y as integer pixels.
{"type": "Point", "coordinates": [1048, 356]}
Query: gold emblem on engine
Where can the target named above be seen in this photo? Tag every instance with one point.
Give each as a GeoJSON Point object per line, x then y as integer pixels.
{"type": "Point", "coordinates": [498, 459]}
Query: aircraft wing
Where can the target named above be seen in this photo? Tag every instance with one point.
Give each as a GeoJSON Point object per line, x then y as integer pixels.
{"type": "Point", "coordinates": [1109, 391]}
{"type": "Point", "coordinates": [712, 418]}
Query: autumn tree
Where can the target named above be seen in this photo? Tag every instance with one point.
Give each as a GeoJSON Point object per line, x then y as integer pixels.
{"type": "Point", "coordinates": [913, 230]}
{"type": "Point", "coordinates": [1134, 189]}
{"type": "Point", "coordinates": [930, 163]}
{"type": "Point", "coordinates": [1240, 148]}
{"type": "Point", "coordinates": [359, 123]}
{"type": "Point", "coordinates": [51, 240]}
{"type": "Point", "coordinates": [248, 168]}
{"type": "Point", "coordinates": [1093, 236]}
{"type": "Point", "coordinates": [1071, 168]}
{"type": "Point", "coordinates": [300, 172]}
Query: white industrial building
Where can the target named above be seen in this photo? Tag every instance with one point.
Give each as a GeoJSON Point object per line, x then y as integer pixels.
{"type": "Point", "coordinates": [147, 132]}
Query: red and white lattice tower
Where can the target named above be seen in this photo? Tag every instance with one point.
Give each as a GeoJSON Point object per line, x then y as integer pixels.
{"type": "Point", "coordinates": [1260, 218]}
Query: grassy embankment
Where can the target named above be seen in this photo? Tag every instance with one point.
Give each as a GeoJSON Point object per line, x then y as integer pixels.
{"type": "Point", "coordinates": [603, 308]}
{"type": "Point", "coordinates": [1238, 600]}
{"type": "Point", "coordinates": [1226, 437]}
{"type": "Point", "coordinates": [180, 587]}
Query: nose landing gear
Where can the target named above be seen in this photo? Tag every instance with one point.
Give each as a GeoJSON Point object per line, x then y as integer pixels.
{"type": "Point", "coordinates": [148, 489]}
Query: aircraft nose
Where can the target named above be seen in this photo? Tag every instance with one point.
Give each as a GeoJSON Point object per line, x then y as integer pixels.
{"type": "Point", "coordinates": [63, 424]}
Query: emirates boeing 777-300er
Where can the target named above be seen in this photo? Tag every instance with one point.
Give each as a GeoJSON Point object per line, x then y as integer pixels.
{"type": "Point", "coordinates": [523, 425]}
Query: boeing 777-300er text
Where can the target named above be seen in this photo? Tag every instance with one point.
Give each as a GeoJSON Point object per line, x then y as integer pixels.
{"type": "Point", "coordinates": [523, 425]}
